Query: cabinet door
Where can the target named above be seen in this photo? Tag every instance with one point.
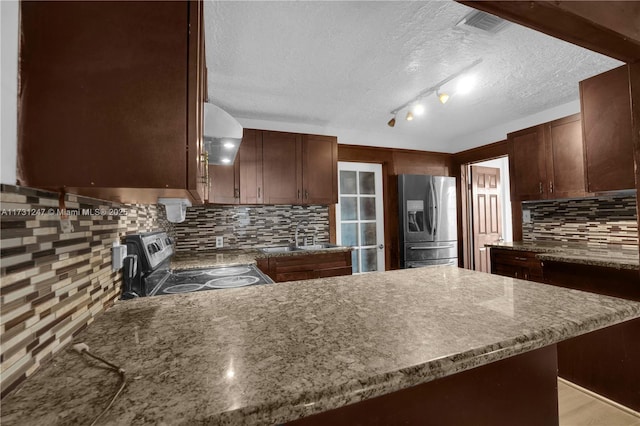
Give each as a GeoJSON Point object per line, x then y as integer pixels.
{"type": "Point", "coordinates": [565, 173]}
{"type": "Point", "coordinates": [224, 184]}
{"type": "Point", "coordinates": [528, 163]}
{"type": "Point", "coordinates": [606, 123]}
{"type": "Point", "coordinates": [282, 167]}
{"type": "Point", "coordinates": [250, 155]}
{"type": "Point", "coordinates": [320, 169]}
{"type": "Point", "coordinates": [112, 99]}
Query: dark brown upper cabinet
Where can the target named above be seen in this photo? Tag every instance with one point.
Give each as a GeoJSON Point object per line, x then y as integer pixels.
{"type": "Point", "coordinates": [282, 167]}
{"type": "Point", "coordinates": [279, 168]}
{"type": "Point", "coordinates": [606, 123]}
{"type": "Point", "coordinates": [319, 169]}
{"type": "Point", "coordinates": [111, 99]}
{"type": "Point", "coordinates": [240, 183]}
{"type": "Point", "coordinates": [546, 161]}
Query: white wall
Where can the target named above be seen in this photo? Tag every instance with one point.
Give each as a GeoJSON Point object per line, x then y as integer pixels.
{"type": "Point", "coordinates": [505, 196]}
{"type": "Point", "coordinates": [389, 139]}
{"type": "Point", "coordinates": [9, 16]}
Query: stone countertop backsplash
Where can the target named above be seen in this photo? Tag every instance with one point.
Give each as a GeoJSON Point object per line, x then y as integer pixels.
{"type": "Point", "coordinates": [274, 353]}
{"type": "Point", "coordinates": [234, 257]}
{"type": "Point", "coordinates": [611, 256]}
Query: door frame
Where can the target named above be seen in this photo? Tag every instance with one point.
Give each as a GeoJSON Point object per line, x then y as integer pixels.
{"type": "Point", "coordinates": [465, 237]}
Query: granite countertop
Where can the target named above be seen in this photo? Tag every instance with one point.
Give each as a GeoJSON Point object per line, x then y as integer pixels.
{"type": "Point", "coordinates": [273, 353]}
{"type": "Point", "coordinates": [233, 257]}
{"type": "Point", "coordinates": [610, 256]}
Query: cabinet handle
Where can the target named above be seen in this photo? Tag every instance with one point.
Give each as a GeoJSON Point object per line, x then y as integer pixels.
{"type": "Point", "coordinates": [520, 258]}
{"type": "Point", "coordinates": [204, 158]}
{"type": "Point", "coordinates": [551, 187]}
{"type": "Point", "coordinates": [298, 194]}
{"type": "Point", "coordinates": [516, 275]}
{"type": "Point", "coordinates": [236, 193]}
{"type": "Point", "coordinates": [258, 192]}
{"type": "Point", "coordinates": [306, 195]}
{"type": "Point", "coordinates": [540, 186]}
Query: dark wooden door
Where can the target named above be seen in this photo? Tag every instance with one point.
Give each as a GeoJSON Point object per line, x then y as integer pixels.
{"type": "Point", "coordinates": [606, 123]}
{"type": "Point", "coordinates": [486, 213]}
{"type": "Point", "coordinates": [250, 155]}
{"type": "Point", "coordinates": [224, 184]}
{"type": "Point", "coordinates": [565, 159]}
{"type": "Point", "coordinates": [528, 163]}
{"type": "Point", "coordinates": [282, 167]}
{"type": "Point", "coordinates": [320, 169]}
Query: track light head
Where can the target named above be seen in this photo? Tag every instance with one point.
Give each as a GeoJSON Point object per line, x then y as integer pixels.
{"type": "Point", "coordinates": [392, 122]}
{"type": "Point", "coordinates": [443, 97]}
{"type": "Point", "coordinates": [409, 116]}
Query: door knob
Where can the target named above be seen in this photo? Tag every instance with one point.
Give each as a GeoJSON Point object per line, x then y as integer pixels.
{"type": "Point", "coordinates": [381, 246]}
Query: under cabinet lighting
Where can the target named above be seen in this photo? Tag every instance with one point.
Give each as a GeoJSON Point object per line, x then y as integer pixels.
{"type": "Point", "coordinates": [229, 145]}
{"type": "Point", "coordinates": [226, 160]}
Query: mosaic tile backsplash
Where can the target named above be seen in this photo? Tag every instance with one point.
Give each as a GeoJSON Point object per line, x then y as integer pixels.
{"type": "Point", "coordinates": [248, 226]}
{"type": "Point", "coordinates": [53, 284]}
{"type": "Point", "coordinates": [597, 221]}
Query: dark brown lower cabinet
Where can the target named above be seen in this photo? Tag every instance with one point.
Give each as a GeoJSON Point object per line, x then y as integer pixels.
{"type": "Point", "coordinates": [306, 266]}
{"type": "Point", "coordinates": [605, 361]}
{"type": "Point", "coordinates": [516, 264]}
{"type": "Point", "coordinates": [520, 390]}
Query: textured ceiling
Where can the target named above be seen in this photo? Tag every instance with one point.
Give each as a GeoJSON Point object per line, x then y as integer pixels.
{"type": "Point", "coordinates": [345, 65]}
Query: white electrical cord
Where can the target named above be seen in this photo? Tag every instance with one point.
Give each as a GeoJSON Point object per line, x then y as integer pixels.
{"type": "Point", "coordinates": [82, 348]}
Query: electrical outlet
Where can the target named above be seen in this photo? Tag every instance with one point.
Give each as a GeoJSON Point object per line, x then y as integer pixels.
{"type": "Point", "coordinates": [219, 242]}
{"type": "Point", "coordinates": [526, 216]}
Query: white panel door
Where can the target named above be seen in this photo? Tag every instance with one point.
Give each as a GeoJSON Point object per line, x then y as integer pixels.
{"type": "Point", "coordinates": [360, 216]}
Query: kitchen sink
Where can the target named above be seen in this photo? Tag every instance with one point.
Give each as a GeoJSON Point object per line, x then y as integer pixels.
{"type": "Point", "coordinates": [281, 249]}
{"type": "Point", "coordinates": [285, 249]}
{"type": "Point", "coordinates": [318, 246]}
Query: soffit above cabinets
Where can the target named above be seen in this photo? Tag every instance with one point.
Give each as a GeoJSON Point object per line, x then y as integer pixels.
{"type": "Point", "coordinates": [346, 65]}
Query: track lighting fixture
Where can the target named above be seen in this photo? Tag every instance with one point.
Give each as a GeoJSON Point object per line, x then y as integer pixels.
{"type": "Point", "coordinates": [416, 107]}
{"type": "Point", "coordinates": [442, 97]}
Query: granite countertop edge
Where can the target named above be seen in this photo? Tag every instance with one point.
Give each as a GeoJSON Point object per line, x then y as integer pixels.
{"type": "Point", "coordinates": [565, 254]}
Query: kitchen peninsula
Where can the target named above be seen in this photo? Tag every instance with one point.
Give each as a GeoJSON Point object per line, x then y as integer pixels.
{"type": "Point", "coordinates": [277, 353]}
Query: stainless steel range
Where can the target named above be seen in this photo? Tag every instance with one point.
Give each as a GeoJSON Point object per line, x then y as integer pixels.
{"type": "Point", "coordinates": [147, 270]}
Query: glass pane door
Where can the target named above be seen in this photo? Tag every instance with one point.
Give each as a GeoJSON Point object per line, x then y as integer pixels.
{"type": "Point", "coordinates": [359, 214]}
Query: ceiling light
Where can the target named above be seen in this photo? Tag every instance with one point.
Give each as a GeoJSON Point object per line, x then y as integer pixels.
{"type": "Point", "coordinates": [465, 84]}
{"type": "Point", "coordinates": [229, 145]}
{"type": "Point", "coordinates": [418, 109]}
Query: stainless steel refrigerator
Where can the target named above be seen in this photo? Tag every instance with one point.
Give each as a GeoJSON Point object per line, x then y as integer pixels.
{"type": "Point", "coordinates": [428, 221]}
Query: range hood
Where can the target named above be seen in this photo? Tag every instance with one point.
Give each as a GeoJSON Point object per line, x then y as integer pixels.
{"type": "Point", "coordinates": [222, 135]}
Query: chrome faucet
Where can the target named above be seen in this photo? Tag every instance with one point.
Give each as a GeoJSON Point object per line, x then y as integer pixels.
{"type": "Point", "coordinates": [303, 222]}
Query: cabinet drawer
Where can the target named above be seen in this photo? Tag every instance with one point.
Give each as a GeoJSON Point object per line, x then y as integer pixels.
{"type": "Point", "coordinates": [307, 266]}
{"type": "Point", "coordinates": [512, 257]}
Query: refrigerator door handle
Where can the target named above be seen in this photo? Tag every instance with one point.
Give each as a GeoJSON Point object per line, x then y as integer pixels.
{"type": "Point", "coordinates": [434, 207]}
{"type": "Point", "coordinates": [431, 248]}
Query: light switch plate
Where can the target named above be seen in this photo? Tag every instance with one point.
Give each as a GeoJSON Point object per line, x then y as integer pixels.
{"type": "Point", "coordinates": [526, 216]}
{"type": "Point", "coordinates": [219, 242]}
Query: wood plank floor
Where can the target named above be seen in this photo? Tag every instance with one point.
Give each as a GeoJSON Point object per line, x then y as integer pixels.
{"type": "Point", "coordinates": [578, 408]}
